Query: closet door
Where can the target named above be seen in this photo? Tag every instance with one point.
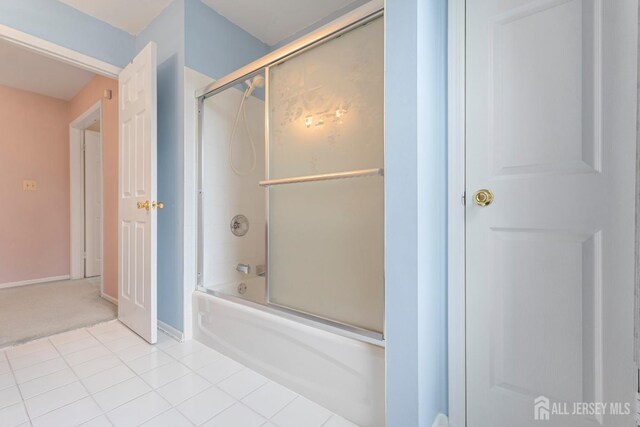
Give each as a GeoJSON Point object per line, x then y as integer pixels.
{"type": "Point", "coordinates": [551, 128]}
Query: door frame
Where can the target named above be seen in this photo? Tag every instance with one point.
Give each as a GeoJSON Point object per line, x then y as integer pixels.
{"type": "Point", "coordinates": [456, 249]}
{"type": "Point", "coordinates": [58, 52]}
{"type": "Point", "coordinates": [76, 190]}
{"type": "Point", "coordinates": [71, 57]}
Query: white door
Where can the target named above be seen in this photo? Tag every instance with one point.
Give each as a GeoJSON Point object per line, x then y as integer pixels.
{"type": "Point", "coordinates": [551, 103]}
{"type": "Point", "coordinates": [138, 217]}
{"type": "Point", "coordinates": [92, 204]}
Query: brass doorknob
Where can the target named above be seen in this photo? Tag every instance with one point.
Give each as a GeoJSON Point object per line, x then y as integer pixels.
{"type": "Point", "coordinates": [150, 205]}
{"type": "Point", "coordinates": [483, 197]}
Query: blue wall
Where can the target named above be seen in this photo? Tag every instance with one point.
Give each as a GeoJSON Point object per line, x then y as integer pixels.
{"type": "Point", "coordinates": [192, 34]}
{"type": "Point", "coordinates": [415, 211]}
{"type": "Point", "coordinates": [432, 185]}
{"type": "Point", "coordinates": [68, 27]}
{"type": "Point", "coordinates": [167, 31]}
{"type": "Point", "coordinates": [214, 45]}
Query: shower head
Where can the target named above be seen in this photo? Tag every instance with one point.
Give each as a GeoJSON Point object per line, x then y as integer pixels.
{"type": "Point", "coordinates": [257, 81]}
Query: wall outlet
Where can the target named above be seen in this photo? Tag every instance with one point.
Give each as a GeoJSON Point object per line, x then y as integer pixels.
{"type": "Point", "coordinates": [29, 185]}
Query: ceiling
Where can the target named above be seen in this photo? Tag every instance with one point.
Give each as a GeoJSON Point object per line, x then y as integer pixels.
{"type": "Point", "coordinates": [26, 70]}
{"type": "Point", "coordinates": [272, 21]}
{"type": "Point", "coordinates": [131, 16]}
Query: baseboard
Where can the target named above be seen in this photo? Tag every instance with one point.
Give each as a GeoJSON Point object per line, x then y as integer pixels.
{"type": "Point", "coordinates": [109, 298]}
{"type": "Point", "coordinates": [33, 281]}
{"type": "Point", "coordinates": [171, 331]}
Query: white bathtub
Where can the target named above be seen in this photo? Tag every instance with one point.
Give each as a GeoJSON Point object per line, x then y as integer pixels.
{"type": "Point", "coordinates": [342, 374]}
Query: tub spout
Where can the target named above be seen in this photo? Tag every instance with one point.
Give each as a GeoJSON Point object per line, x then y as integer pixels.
{"type": "Point", "coordinates": [243, 268]}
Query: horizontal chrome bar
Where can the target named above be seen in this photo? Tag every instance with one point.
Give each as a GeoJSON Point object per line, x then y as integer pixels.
{"type": "Point", "coordinates": [361, 15]}
{"type": "Point", "coordinates": [324, 177]}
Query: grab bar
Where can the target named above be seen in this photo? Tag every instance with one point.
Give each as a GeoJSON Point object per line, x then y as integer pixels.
{"type": "Point", "coordinates": [324, 177]}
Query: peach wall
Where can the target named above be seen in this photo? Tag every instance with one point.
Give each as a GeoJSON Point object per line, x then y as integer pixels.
{"type": "Point", "coordinates": [34, 225]}
{"type": "Point", "coordinates": [88, 96]}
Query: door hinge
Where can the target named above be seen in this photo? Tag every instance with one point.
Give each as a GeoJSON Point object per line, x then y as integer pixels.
{"type": "Point", "coordinates": [463, 199]}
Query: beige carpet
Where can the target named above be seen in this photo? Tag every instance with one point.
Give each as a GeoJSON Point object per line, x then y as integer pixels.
{"type": "Point", "coordinates": [35, 311]}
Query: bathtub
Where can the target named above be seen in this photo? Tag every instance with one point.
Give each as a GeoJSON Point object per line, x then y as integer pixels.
{"type": "Point", "coordinates": [342, 374]}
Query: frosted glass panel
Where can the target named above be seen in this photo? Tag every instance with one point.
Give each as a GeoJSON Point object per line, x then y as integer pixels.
{"type": "Point", "coordinates": [326, 251]}
{"type": "Point", "coordinates": [326, 107]}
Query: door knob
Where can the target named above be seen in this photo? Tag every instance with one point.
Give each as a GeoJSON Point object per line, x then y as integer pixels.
{"type": "Point", "coordinates": [150, 205]}
{"type": "Point", "coordinates": [483, 197]}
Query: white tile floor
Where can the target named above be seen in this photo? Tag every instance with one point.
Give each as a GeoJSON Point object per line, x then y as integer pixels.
{"type": "Point", "coordinates": [106, 375]}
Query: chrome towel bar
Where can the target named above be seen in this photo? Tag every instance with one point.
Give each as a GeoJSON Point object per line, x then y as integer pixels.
{"type": "Point", "coordinates": [324, 177]}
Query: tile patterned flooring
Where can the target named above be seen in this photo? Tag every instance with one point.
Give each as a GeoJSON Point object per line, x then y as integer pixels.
{"type": "Point", "coordinates": [105, 375]}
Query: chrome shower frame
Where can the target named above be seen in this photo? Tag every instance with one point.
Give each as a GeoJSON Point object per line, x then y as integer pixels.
{"type": "Point", "coordinates": [350, 21]}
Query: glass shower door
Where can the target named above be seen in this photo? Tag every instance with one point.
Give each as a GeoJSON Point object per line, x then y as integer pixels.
{"type": "Point", "coordinates": [324, 179]}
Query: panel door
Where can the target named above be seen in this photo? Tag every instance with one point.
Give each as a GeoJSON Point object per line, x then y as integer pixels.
{"type": "Point", "coordinates": [138, 219]}
{"type": "Point", "coordinates": [551, 101]}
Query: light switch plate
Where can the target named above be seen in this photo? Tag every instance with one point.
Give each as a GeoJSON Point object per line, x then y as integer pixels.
{"type": "Point", "coordinates": [29, 185]}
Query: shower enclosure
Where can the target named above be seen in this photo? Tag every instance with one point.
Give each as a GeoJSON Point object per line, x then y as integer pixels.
{"type": "Point", "coordinates": [291, 180]}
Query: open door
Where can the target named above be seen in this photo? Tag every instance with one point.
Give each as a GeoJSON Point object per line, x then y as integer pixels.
{"type": "Point", "coordinates": [137, 251]}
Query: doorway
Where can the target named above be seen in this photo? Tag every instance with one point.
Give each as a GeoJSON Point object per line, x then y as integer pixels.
{"type": "Point", "coordinates": [44, 100]}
